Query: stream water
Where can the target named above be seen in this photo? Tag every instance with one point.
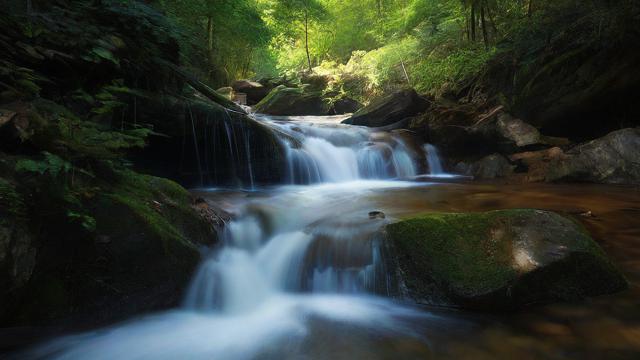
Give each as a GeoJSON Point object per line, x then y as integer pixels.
{"type": "Point", "coordinates": [300, 273]}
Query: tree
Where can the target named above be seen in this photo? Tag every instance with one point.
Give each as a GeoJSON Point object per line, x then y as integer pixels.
{"type": "Point", "coordinates": [224, 35]}
{"type": "Point", "coordinates": [301, 12]}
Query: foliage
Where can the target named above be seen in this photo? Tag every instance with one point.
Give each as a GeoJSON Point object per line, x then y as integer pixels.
{"type": "Point", "coordinates": [222, 40]}
{"type": "Point", "coordinates": [11, 201]}
{"type": "Point", "coordinates": [51, 164]}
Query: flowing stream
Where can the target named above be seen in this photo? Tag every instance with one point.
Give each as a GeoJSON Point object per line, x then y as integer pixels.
{"type": "Point", "coordinates": [300, 273]}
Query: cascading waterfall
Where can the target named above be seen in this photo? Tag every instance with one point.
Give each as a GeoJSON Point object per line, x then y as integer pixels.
{"type": "Point", "coordinates": [331, 152]}
{"type": "Point", "coordinates": [306, 252]}
{"type": "Point", "coordinates": [433, 159]}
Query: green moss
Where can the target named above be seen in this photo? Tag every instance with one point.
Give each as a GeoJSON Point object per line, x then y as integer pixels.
{"type": "Point", "coordinates": [11, 200]}
{"type": "Point", "coordinates": [457, 248]}
{"type": "Point", "coordinates": [159, 205]}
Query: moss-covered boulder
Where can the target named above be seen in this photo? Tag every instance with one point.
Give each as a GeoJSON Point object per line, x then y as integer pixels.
{"type": "Point", "coordinates": [499, 259]}
{"type": "Point", "coordinates": [293, 101]}
{"type": "Point", "coordinates": [93, 247]}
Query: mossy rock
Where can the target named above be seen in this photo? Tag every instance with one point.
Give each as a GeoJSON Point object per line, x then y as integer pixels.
{"type": "Point", "coordinates": [293, 101]}
{"type": "Point", "coordinates": [499, 259]}
{"type": "Point", "coordinates": [138, 254]}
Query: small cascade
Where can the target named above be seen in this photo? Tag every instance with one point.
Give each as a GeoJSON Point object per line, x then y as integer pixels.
{"type": "Point", "coordinates": [433, 160]}
{"type": "Point", "coordinates": [327, 151]}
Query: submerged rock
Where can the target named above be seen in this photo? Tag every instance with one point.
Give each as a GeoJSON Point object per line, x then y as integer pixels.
{"type": "Point", "coordinates": [498, 259]}
{"type": "Point", "coordinates": [390, 109]}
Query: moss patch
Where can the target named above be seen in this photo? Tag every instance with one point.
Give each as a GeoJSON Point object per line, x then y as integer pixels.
{"type": "Point", "coordinates": [500, 258]}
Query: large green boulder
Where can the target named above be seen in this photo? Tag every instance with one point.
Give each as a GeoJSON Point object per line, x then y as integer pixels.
{"type": "Point", "coordinates": [499, 259]}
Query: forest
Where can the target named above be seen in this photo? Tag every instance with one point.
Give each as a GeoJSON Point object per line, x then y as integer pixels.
{"type": "Point", "coordinates": [319, 179]}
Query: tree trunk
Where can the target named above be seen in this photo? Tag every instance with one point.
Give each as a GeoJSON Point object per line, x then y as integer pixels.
{"type": "Point", "coordinates": [485, 36]}
{"type": "Point", "coordinates": [473, 23]}
{"type": "Point", "coordinates": [530, 9]}
{"type": "Point", "coordinates": [306, 38]}
{"type": "Point", "coordinates": [492, 22]}
{"type": "Point", "coordinates": [210, 52]}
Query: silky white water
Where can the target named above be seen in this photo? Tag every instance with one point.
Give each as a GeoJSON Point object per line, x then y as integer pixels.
{"type": "Point", "coordinates": [296, 260]}
{"type": "Point", "coordinates": [327, 151]}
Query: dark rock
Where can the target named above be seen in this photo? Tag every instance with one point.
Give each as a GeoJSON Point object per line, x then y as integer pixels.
{"type": "Point", "coordinates": [538, 163]}
{"type": "Point", "coordinates": [612, 159]}
{"type": "Point", "coordinates": [293, 101]}
{"type": "Point", "coordinates": [138, 255]}
{"type": "Point", "coordinates": [490, 167]}
{"type": "Point", "coordinates": [390, 109]}
{"type": "Point", "coordinates": [499, 259]}
{"type": "Point", "coordinates": [255, 91]}
{"type": "Point", "coordinates": [345, 106]}
{"type": "Point", "coordinates": [376, 215]}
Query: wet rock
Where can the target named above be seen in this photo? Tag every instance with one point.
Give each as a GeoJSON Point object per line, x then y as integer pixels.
{"type": "Point", "coordinates": [255, 91]}
{"type": "Point", "coordinates": [376, 215]}
{"type": "Point", "coordinates": [390, 109]}
{"type": "Point", "coordinates": [499, 259]}
{"type": "Point", "coordinates": [293, 101]}
{"type": "Point", "coordinates": [612, 159]}
{"type": "Point", "coordinates": [538, 163]}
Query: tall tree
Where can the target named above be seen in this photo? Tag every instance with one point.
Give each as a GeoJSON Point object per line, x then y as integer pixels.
{"type": "Point", "coordinates": [302, 12]}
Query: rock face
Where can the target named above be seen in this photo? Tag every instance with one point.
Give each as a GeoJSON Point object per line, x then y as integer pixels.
{"type": "Point", "coordinates": [254, 90]}
{"type": "Point", "coordinates": [390, 109]}
{"type": "Point", "coordinates": [499, 259]}
{"type": "Point", "coordinates": [293, 101]}
{"type": "Point", "coordinates": [612, 159]}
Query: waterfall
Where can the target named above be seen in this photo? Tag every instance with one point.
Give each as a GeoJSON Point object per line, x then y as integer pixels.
{"type": "Point", "coordinates": [272, 249]}
{"type": "Point", "coordinates": [331, 152]}
{"type": "Point", "coordinates": [294, 257]}
{"type": "Point", "coordinates": [433, 159]}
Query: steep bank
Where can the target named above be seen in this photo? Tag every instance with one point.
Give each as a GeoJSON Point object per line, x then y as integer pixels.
{"type": "Point", "coordinates": [85, 237]}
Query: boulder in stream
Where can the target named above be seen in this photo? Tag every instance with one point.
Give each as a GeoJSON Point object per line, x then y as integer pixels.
{"type": "Point", "coordinates": [499, 259]}
{"type": "Point", "coordinates": [390, 109]}
{"type": "Point", "coordinates": [293, 101]}
{"type": "Point", "coordinates": [255, 91]}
